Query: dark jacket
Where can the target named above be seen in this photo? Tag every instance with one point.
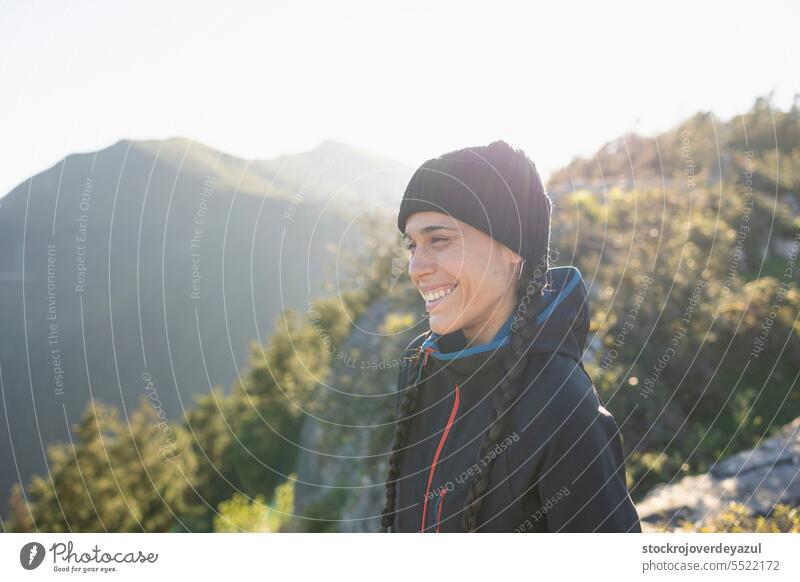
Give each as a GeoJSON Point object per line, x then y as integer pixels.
{"type": "Point", "coordinates": [561, 467]}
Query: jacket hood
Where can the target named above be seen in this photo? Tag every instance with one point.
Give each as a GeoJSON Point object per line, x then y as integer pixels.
{"type": "Point", "coordinates": [564, 317]}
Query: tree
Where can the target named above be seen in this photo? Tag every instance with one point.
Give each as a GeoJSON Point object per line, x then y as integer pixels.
{"type": "Point", "coordinates": [117, 477]}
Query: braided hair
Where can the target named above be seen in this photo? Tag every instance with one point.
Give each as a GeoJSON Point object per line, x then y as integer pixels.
{"type": "Point", "coordinates": [524, 329]}
{"type": "Point", "coordinates": [402, 430]}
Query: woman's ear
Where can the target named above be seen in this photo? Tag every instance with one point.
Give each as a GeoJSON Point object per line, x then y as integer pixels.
{"type": "Point", "coordinates": [514, 261]}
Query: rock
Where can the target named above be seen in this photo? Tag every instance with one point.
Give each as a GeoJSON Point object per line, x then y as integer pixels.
{"type": "Point", "coordinates": [342, 465]}
{"type": "Point", "coordinates": [759, 478]}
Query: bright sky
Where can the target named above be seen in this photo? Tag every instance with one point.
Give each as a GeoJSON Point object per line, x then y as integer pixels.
{"type": "Point", "coordinates": [409, 80]}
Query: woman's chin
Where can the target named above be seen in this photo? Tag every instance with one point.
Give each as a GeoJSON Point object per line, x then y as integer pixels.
{"type": "Point", "coordinates": [440, 324]}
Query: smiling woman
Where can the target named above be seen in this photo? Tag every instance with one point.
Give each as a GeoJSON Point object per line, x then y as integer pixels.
{"type": "Point", "coordinates": [497, 391]}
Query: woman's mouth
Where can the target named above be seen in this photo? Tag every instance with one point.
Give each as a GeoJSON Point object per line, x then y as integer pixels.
{"type": "Point", "coordinates": [437, 296]}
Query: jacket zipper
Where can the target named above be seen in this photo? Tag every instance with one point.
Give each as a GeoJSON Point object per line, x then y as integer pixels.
{"type": "Point", "coordinates": [438, 451]}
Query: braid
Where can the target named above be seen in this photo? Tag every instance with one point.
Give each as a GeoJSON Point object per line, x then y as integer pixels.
{"type": "Point", "coordinates": [502, 398]}
{"type": "Point", "coordinates": [522, 336]}
{"type": "Point", "coordinates": [401, 434]}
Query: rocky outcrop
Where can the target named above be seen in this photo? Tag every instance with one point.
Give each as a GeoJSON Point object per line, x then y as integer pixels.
{"type": "Point", "coordinates": [342, 465]}
{"type": "Point", "coordinates": [759, 478]}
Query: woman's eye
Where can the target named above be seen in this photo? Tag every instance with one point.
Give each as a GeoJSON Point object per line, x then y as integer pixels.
{"type": "Point", "coordinates": [434, 240]}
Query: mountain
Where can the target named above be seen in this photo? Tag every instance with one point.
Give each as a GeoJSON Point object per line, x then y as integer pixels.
{"type": "Point", "coordinates": [149, 266]}
{"type": "Point", "coordinates": [359, 177]}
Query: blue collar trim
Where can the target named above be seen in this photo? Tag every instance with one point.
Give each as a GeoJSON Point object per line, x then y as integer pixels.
{"type": "Point", "coordinates": [501, 338]}
{"type": "Point", "coordinates": [563, 294]}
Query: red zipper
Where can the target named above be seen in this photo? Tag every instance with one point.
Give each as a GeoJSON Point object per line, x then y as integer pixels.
{"type": "Point", "coordinates": [442, 493]}
{"type": "Point", "coordinates": [436, 456]}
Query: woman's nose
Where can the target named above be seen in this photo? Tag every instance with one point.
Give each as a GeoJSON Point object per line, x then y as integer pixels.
{"type": "Point", "coordinates": [419, 265]}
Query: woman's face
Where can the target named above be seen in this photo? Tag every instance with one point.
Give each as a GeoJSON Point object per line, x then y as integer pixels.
{"type": "Point", "coordinates": [467, 278]}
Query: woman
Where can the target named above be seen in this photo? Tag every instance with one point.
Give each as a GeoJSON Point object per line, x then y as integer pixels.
{"type": "Point", "coordinates": [499, 428]}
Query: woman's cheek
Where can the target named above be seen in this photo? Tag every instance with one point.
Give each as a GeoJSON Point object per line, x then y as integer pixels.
{"type": "Point", "coordinates": [454, 256]}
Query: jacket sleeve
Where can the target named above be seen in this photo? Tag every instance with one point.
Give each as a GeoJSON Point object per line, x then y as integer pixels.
{"type": "Point", "coordinates": [582, 476]}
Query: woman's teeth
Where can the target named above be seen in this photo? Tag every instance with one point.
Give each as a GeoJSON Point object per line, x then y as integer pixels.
{"type": "Point", "coordinates": [434, 298]}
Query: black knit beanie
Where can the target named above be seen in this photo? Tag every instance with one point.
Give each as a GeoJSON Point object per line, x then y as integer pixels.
{"type": "Point", "coordinates": [494, 188]}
